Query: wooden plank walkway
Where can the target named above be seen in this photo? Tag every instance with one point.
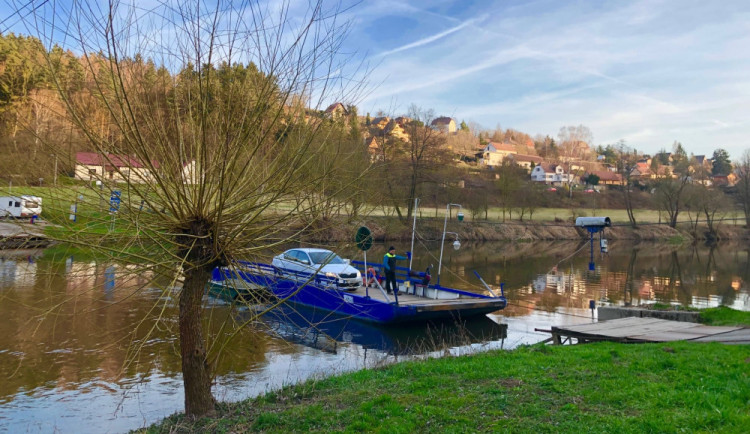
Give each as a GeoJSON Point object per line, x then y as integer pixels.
{"type": "Point", "coordinates": [634, 330]}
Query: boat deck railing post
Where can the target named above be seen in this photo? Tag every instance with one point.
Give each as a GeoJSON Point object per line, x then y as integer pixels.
{"type": "Point", "coordinates": [380, 287]}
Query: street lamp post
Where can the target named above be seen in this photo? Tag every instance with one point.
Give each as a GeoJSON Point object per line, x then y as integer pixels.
{"type": "Point", "coordinates": [445, 226]}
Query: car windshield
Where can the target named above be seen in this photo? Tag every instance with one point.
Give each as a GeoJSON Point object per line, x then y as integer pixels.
{"type": "Point", "coordinates": [325, 258]}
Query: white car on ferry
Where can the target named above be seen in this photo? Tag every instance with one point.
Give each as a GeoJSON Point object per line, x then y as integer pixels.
{"type": "Point", "coordinates": [322, 262]}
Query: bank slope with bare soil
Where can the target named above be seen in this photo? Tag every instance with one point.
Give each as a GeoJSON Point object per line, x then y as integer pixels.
{"type": "Point", "coordinates": [390, 229]}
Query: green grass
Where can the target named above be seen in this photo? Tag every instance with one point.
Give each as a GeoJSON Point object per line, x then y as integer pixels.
{"type": "Point", "coordinates": [604, 387]}
{"type": "Point", "coordinates": [665, 306]}
{"type": "Point", "coordinates": [95, 203]}
{"type": "Point", "coordinates": [724, 316]}
{"type": "Point", "coordinates": [716, 316]}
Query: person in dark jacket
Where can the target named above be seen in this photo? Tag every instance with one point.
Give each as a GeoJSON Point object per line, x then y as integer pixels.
{"type": "Point", "coordinates": [389, 266]}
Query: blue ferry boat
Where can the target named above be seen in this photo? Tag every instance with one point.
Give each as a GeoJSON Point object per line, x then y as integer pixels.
{"type": "Point", "coordinates": [417, 300]}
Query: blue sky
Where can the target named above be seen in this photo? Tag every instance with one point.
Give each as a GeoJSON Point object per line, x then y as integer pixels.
{"type": "Point", "coordinates": [648, 72]}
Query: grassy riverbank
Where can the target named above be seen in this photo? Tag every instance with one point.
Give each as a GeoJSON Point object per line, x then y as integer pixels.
{"type": "Point", "coordinates": [93, 217]}
{"type": "Point", "coordinates": [602, 387]}
{"type": "Point", "coordinates": [714, 316]}
{"type": "Point", "coordinates": [724, 316]}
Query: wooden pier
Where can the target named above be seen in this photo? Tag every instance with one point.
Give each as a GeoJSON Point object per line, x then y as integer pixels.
{"type": "Point", "coordinates": [639, 330]}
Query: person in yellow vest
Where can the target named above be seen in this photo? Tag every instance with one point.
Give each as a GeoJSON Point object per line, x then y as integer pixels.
{"type": "Point", "coordinates": [389, 266]}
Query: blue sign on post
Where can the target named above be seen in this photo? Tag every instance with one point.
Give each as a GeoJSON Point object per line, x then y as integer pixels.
{"type": "Point", "coordinates": [114, 201]}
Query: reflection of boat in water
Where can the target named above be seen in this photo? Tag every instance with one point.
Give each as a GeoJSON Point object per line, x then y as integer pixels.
{"type": "Point", "coordinates": [320, 330]}
{"type": "Point", "coordinates": [18, 267]}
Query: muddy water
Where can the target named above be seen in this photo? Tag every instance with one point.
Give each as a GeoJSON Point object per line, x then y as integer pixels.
{"type": "Point", "coordinates": [90, 345]}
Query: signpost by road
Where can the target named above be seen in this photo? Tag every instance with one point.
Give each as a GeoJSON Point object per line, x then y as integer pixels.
{"type": "Point", "coordinates": [114, 201]}
{"type": "Point", "coordinates": [114, 206]}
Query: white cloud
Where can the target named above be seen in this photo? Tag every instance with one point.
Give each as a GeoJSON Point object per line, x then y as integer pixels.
{"type": "Point", "coordinates": [429, 39]}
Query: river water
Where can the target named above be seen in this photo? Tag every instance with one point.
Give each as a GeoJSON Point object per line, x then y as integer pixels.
{"type": "Point", "coordinates": [90, 345]}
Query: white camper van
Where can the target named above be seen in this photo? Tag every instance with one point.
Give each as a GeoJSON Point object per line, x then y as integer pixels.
{"type": "Point", "coordinates": [20, 206]}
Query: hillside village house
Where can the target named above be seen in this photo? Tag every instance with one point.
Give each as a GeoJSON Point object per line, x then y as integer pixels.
{"type": "Point", "coordinates": [526, 161]}
{"type": "Point", "coordinates": [380, 123]}
{"type": "Point", "coordinates": [494, 153]}
{"type": "Point", "coordinates": [396, 129]}
{"type": "Point", "coordinates": [92, 166]}
{"type": "Point", "coordinates": [727, 180]}
{"type": "Point", "coordinates": [642, 172]}
{"type": "Point", "coordinates": [607, 178]}
{"type": "Point", "coordinates": [550, 174]}
{"type": "Point", "coordinates": [373, 149]}
{"type": "Point", "coordinates": [444, 124]}
{"type": "Point", "coordinates": [336, 110]}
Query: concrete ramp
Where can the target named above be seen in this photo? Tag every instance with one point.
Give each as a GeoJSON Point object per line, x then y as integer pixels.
{"type": "Point", "coordinates": [15, 234]}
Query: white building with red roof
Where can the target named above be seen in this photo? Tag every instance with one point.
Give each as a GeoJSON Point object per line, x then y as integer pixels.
{"type": "Point", "coordinates": [93, 166]}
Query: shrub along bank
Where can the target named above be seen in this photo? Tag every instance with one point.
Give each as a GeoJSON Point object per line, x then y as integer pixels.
{"type": "Point", "coordinates": [603, 387]}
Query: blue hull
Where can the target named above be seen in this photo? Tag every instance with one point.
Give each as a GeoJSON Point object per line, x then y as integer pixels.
{"type": "Point", "coordinates": [317, 292]}
{"type": "Point", "coordinates": [317, 329]}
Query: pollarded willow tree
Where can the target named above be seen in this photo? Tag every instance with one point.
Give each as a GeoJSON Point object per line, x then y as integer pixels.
{"type": "Point", "coordinates": [212, 138]}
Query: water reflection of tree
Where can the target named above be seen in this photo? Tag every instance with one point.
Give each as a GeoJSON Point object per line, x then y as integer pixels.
{"type": "Point", "coordinates": [630, 278]}
{"type": "Point", "coordinates": [718, 279]}
{"type": "Point", "coordinates": [678, 288]}
{"type": "Point", "coordinates": [69, 329]}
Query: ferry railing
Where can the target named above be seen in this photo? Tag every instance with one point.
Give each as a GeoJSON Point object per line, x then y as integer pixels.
{"type": "Point", "coordinates": [250, 271]}
{"type": "Point", "coordinates": [403, 274]}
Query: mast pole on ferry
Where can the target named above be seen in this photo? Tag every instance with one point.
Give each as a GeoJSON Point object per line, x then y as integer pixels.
{"type": "Point", "coordinates": [413, 231]}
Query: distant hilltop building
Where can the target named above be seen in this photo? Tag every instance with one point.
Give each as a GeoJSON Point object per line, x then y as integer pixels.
{"type": "Point", "coordinates": [336, 110]}
{"type": "Point", "coordinates": [380, 122]}
{"type": "Point", "coordinates": [444, 124]}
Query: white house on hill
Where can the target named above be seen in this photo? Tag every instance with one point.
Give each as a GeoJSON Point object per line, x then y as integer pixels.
{"type": "Point", "coordinates": [550, 174]}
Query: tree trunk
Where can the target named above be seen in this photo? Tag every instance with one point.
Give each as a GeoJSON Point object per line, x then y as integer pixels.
{"type": "Point", "coordinates": [628, 202]}
{"type": "Point", "coordinates": [412, 196]}
{"type": "Point", "coordinates": [196, 373]}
